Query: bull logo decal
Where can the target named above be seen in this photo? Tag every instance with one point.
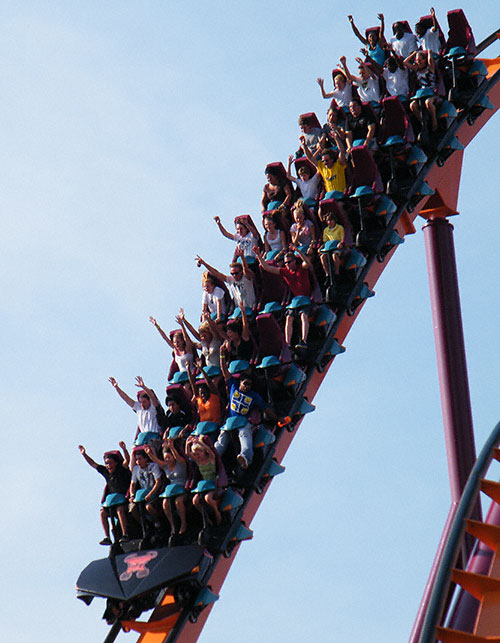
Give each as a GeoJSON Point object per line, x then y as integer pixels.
{"type": "Point", "coordinates": [136, 564]}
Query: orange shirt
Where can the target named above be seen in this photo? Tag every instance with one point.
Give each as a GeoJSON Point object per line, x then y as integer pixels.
{"type": "Point", "coordinates": [210, 410]}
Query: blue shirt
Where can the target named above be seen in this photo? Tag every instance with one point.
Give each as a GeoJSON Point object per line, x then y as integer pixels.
{"type": "Point", "coordinates": [240, 403]}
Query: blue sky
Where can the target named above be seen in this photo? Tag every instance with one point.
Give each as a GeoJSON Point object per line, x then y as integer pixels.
{"type": "Point", "coordinates": [127, 126]}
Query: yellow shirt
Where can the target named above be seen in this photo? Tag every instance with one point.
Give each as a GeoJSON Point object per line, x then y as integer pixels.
{"type": "Point", "coordinates": [333, 177]}
{"type": "Point", "coordinates": [333, 234]}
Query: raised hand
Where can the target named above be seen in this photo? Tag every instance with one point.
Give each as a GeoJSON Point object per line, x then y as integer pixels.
{"type": "Point", "coordinates": [113, 381]}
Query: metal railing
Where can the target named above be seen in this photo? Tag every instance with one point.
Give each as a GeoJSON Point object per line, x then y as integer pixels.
{"type": "Point", "coordinates": [452, 547]}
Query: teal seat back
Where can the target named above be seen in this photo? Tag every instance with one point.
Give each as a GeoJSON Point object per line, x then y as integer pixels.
{"type": "Point", "coordinates": [114, 500]}
{"type": "Point", "coordinates": [230, 500]}
{"type": "Point", "coordinates": [294, 376]}
{"type": "Point", "coordinates": [235, 422]}
{"type": "Point", "coordinates": [204, 486]}
{"type": "Point", "coordinates": [262, 438]}
{"type": "Point", "coordinates": [140, 495]}
{"type": "Point", "coordinates": [145, 437]}
{"type": "Point", "coordinates": [205, 428]}
{"type": "Point", "coordinates": [172, 491]}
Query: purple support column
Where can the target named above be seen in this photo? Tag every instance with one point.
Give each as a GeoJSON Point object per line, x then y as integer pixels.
{"type": "Point", "coordinates": [450, 350]}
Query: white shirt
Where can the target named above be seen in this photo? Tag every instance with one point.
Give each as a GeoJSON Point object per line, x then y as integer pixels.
{"type": "Point", "coordinates": [242, 290]}
{"type": "Point", "coordinates": [397, 82]}
{"type": "Point", "coordinates": [211, 299]}
{"type": "Point", "coordinates": [368, 90]}
{"type": "Point", "coordinates": [146, 418]}
{"type": "Point", "coordinates": [405, 45]}
{"type": "Point", "coordinates": [246, 243]}
{"type": "Point", "coordinates": [343, 96]}
{"type": "Point", "coordinates": [309, 188]}
{"type": "Point", "coordinates": [430, 41]}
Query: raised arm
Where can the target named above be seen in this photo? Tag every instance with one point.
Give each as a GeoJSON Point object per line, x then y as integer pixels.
{"type": "Point", "coordinates": [153, 457]}
{"type": "Point", "coordinates": [349, 76]}
{"type": "Point", "coordinates": [225, 232]}
{"type": "Point", "coordinates": [307, 151]}
{"type": "Point", "coordinates": [214, 329]}
{"type": "Point", "coordinates": [321, 84]}
{"type": "Point", "coordinates": [208, 380]}
{"type": "Point", "coordinates": [245, 332]}
{"type": "Point", "coordinates": [211, 269]}
{"type": "Point", "coordinates": [126, 454]}
{"type": "Point", "coordinates": [434, 20]}
{"type": "Point", "coordinates": [357, 33]}
{"type": "Point", "coordinates": [139, 382]}
{"type": "Point", "coordinates": [121, 393]}
{"type": "Point", "coordinates": [289, 174]}
{"type": "Point", "coordinates": [192, 383]}
{"type": "Point", "coordinates": [340, 144]}
{"type": "Point", "coordinates": [407, 62]}
{"type": "Point", "coordinates": [180, 320]}
{"type": "Point", "coordinates": [244, 264]}
{"type": "Point", "coordinates": [305, 260]}
{"type": "Point", "coordinates": [87, 458]}
{"type": "Point", "coordinates": [265, 266]}
{"type": "Point", "coordinates": [177, 455]}
{"type": "Point", "coordinates": [381, 30]}
{"type": "Point", "coordinates": [192, 330]}
{"type": "Point", "coordinates": [162, 332]}
{"type": "Point", "coordinates": [368, 68]}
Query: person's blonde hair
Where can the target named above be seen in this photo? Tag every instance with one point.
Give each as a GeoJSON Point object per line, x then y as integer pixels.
{"type": "Point", "coordinates": [206, 276]}
{"type": "Point", "coordinates": [298, 206]}
{"type": "Point", "coordinates": [204, 327]}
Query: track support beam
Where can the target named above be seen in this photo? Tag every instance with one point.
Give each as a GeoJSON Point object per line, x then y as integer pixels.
{"type": "Point", "coordinates": [450, 350]}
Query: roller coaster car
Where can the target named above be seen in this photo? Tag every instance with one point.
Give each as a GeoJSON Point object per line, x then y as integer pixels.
{"type": "Point", "coordinates": [278, 169]}
{"type": "Point", "coordinates": [460, 33]}
{"type": "Point", "coordinates": [399, 159]}
{"type": "Point", "coordinates": [132, 582]}
{"type": "Point", "coordinates": [463, 77]}
{"type": "Point", "coordinates": [361, 293]}
{"type": "Point", "coordinates": [373, 207]}
{"type": "Point", "coordinates": [426, 23]}
{"type": "Point", "coordinates": [461, 72]}
{"type": "Point", "coordinates": [310, 119]}
{"type": "Point", "coordinates": [274, 289]}
{"type": "Point", "coordinates": [339, 291]}
{"type": "Point", "coordinates": [302, 161]}
{"type": "Point", "coordinates": [272, 340]}
{"type": "Point", "coordinates": [335, 72]}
